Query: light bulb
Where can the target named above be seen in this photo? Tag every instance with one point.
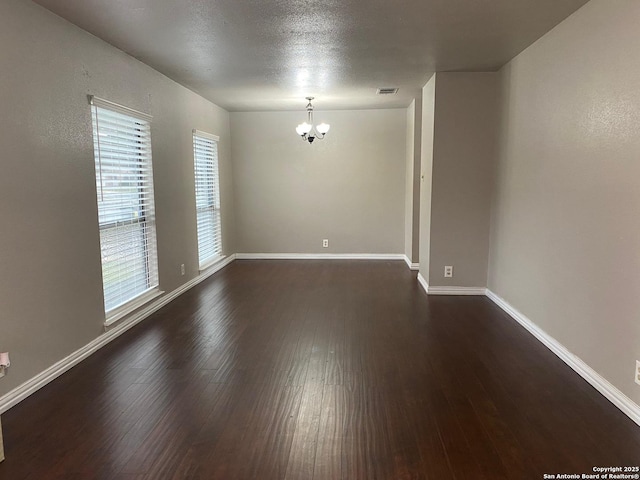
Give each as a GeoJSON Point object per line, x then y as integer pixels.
{"type": "Point", "coordinates": [323, 128]}
{"type": "Point", "coordinates": [305, 127]}
{"type": "Point", "coordinates": [300, 130]}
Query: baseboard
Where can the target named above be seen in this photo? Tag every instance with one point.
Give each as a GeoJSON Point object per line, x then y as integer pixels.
{"type": "Point", "coordinates": [457, 291]}
{"type": "Point", "coordinates": [140, 315]}
{"type": "Point", "coordinates": [412, 266]}
{"type": "Point", "coordinates": [423, 283]}
{"type": "Point", "coordinates": [449, 290]}
{"type": "Point", "coordinates": [319, 256]}
{"type": "Point", "coordinates": [615, 396]}
{"type": "Point", "coordinates": [54, 371]}
{"type": "Point", "coordinates": [1, 444]}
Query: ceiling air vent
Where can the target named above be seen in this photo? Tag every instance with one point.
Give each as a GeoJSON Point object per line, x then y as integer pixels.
{"type": "Point", "coordinates": [387, 91]}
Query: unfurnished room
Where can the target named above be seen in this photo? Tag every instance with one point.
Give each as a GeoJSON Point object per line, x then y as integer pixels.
{"type": "Point", "coordinates": [296, 240]}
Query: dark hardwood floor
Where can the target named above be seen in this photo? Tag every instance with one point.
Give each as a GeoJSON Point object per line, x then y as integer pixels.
{"type": "Point", "coordinates": [318, 370]}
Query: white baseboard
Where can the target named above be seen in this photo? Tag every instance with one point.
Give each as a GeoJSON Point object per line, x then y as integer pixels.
{"type": "Point", "coordinates": [423, 283]}
{"type": "Point", "coordinates": [319, 256]}
{"type": "Point", "coordinates": [449, 290]}
{"type": "Point", "coordinates": [615, 396]}
{"type": "Point", "coordinates": [54, 371]}
{"type": "Point", "coordinates": [412, 266]}
{"type": "Point", "coordinates": [457, 291]}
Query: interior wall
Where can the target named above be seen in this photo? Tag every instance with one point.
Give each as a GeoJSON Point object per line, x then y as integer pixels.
{"type": "Point", "coordinates": [565, 224]}
{"type": "Point", "coordinates": [50, 273]}
{"type": "Point", "coordinates": [417, 161]}
{"type": "Point", "coordinates": [464, 151]}
{"type": "Point", "coordinates": [408, 184]}
{"type": "Point", "coordinates": [412, 180]}
{"type": "Point", "coordinates": [348, 188]}
{"type": "Point", "coordinates": [426, 170]}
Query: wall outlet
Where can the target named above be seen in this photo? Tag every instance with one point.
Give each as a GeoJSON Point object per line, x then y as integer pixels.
{"type": "Point", "coordinates": [448, 271]}
{"type": "Point", "coordinates": [182, 269]}
{"type": "Point", "coordinates": [325, 243]}
{"type": "Point", "coordinates": [4, 364]}
{"type": "Point", "coordinates": [638, 372]}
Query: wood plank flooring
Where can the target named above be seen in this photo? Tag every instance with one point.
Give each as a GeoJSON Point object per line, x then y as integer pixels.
{"type": "Point", "coordinates": [318, 370]}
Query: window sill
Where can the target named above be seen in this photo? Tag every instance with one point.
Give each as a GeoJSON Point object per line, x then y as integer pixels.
{"type": "Point", "coordinates": [122, 311]}
{"type": "Point", "coordinates": [207, 265]}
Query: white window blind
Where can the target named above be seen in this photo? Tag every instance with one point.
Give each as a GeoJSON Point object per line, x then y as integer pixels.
{"type": "Point", "coordinates": [205, 154]}
{"type": "Point", "coordinates": [126, 213]}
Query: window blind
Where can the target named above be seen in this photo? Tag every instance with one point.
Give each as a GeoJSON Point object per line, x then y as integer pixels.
{"type": "Point", "coordinates": [205, 154]}
{"type": "Point", "coordinates": [126, 213]}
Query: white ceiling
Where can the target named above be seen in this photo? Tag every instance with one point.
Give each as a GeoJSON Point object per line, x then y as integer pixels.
{"type": "Point", "coordinates": [270, 54]}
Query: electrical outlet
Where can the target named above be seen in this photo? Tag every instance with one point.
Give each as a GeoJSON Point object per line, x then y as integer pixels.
{"type": "Point", "coordinates": [448, 271]}
{"type": "Point", "coordinates": [182, 269]}
{"type": "Point", "coordinates": [638, 372]}
{"type": "Point", "coordinates": [325, 243]}
{"type": "Point", "coordinates": [4, 364]}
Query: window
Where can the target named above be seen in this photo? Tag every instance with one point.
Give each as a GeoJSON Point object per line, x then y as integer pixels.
{"type": "Point", "coordinates": [126, 214]}
{"type": "Point", "coordinates": [205, 154]}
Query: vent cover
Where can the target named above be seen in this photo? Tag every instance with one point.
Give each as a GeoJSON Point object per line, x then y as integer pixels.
{"type": "Point", "coordinates": [387, 91]}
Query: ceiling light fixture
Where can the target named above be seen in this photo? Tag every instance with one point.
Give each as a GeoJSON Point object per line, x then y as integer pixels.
{"type": "Point", "coordinates": [307, 130]}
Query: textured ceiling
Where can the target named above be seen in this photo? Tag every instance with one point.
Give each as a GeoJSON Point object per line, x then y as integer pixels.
{"type": "Point", "coordinates": [270, 54]}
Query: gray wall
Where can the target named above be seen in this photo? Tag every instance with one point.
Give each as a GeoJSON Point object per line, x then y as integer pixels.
{"type": "Point", "coordinates": [408, 184]}
{"type": "Point", "coordinates": [412, 180]}
{"type": "Point", "coordinates": [426, 170]}
{"type": "Point", "coordinates": [566, 219]}
{"type": "Point", "coordinates": [417, 165]}
{"type": "Point", "coordinates": [464, 151]}
{"type": "Point", "coordinates": [349, 187]}
{"type": "Point", "coordinates": [50, 274]}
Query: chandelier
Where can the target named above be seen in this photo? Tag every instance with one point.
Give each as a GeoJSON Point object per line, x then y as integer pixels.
{"type": "Point", "coordinates": [307, 130]}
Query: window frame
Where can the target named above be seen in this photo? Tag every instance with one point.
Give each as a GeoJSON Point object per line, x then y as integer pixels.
{"type": "Point", "coordinates": [214, 206]}
{"type": "Point", "coordinates": [140, 164]}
